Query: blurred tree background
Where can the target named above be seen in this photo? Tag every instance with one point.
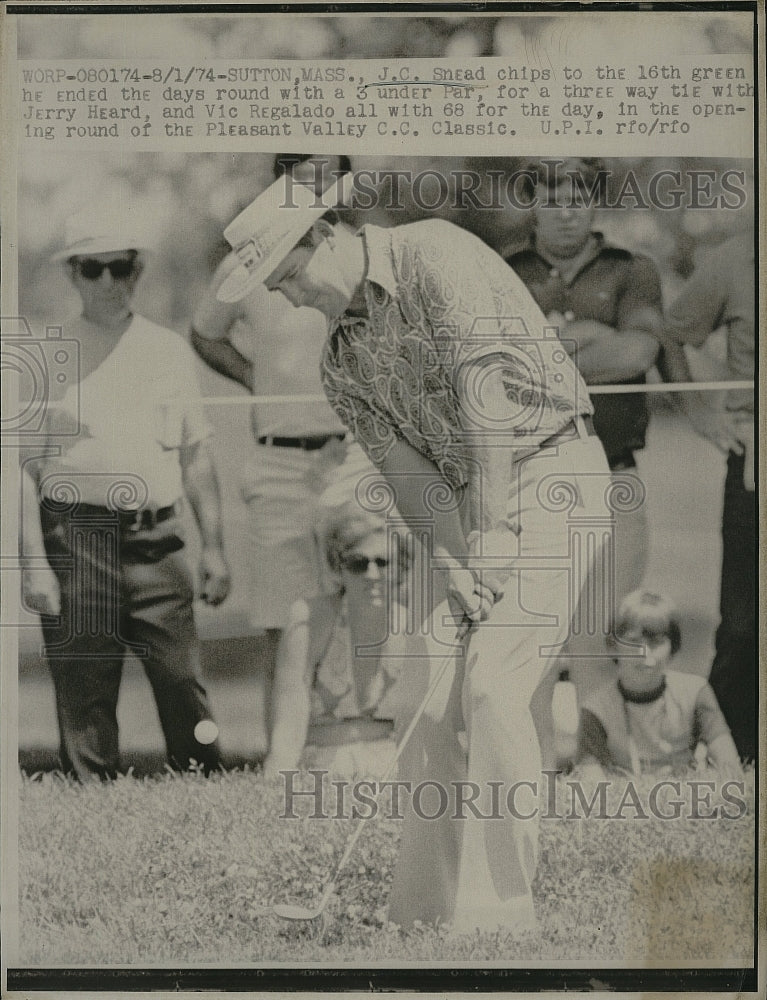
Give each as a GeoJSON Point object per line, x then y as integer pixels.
{"type": "Point", "coordinates": [185, 200]}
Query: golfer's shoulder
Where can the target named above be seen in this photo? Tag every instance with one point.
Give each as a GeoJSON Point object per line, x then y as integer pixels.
{"type": "Point", "coordinates": [434, 240]}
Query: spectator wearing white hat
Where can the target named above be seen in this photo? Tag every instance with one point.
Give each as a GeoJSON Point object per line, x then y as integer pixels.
{"type": "Point", "coordinates": [126, 443]}
{"type": "Point", "coordinates": [437, 360]}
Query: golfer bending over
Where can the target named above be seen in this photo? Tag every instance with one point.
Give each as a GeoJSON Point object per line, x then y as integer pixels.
{"type": "Point", "coordinates": [437, 359]}
{"type": "Point", "coordinates": [336, 663]}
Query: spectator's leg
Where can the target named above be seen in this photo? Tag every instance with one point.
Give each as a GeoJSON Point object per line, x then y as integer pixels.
{"type": "Point", "coordinates": [632, 533]}
{"type": "Point", "coordinates": [733, 673]}
{"type": "Point", "coordinates": [272, 637]}
{"type": "Point", "coordinates": [83, 647]}
{"type": "Point", "coordinates": [86, 707]}
{"type": "Point", "coordinates": [158, 598]}
{"type": "Point", "coordinates": [277, 488]}
{"type": "Point", "coordinates": [541, 711]}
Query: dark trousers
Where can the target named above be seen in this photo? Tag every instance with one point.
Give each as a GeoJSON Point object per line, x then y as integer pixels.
{"type": "Point", "coordinates": [734, 670]}
{"type": "Point", "coordinates": [121, 591]}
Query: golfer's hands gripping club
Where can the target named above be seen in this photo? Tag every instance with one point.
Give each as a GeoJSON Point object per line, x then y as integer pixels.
{"type": "Point", "coordinates": [471, 592]}
{"type": "Point", "coordinates": [471, 596]}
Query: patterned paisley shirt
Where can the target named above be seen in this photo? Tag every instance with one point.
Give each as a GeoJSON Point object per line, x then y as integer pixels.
{"type": "Point", "coordinates": [438, 299]}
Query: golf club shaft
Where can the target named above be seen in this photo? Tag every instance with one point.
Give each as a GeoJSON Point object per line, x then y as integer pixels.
{"type": "Point", "coordinates": [462, 632]}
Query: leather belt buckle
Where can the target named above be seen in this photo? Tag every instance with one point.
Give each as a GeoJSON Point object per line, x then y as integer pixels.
{"type": "Point", "coordinates": [147, 518]}
{"type": "Point", "coordinates": [139, 520]}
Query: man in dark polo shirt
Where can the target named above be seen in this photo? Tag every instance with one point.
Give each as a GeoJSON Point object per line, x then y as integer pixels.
{"type": "Point", "coordinates": [606, 302]}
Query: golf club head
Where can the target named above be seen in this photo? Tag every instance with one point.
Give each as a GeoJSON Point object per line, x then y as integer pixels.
{"type": "Point", "coordinates": [290, 911]}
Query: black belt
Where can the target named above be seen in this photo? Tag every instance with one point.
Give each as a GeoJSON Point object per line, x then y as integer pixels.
{"type": "Point", "coordinates": [146, 518]}
{"type": "Point", "coordinates": [309, 443]}
{"type": "Point", "coordinates": [570, 431]}
{"type": "Point", "coordinates": [129, 520]}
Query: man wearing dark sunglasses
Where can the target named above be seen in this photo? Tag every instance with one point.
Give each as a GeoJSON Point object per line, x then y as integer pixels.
{"type": "Point", "coordinates": [92, 268]}
{"type": "Point", "coordinates": [128, 443]}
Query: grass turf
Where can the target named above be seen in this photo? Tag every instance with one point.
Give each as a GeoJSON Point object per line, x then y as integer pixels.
{"type": "Point", "coordinates": [182, 869]}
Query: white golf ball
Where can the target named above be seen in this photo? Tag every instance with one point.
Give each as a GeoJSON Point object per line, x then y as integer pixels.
{"type": "Point", "coordinates": [206, 732]}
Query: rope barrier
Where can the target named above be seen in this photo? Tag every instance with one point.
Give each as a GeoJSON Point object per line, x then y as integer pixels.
{"type": "Point", "coordinates": [594, 390]}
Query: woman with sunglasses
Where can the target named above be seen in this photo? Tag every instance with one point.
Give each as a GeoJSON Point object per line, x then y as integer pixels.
{"type": "Point", "coordinates": [333, 694]}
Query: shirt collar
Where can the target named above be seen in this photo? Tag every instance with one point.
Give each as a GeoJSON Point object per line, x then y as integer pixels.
{"type": "Point", "coordinates": [599, 244]}
{"type": "Point", "coordinates": [643, 697]}
{"type": "Point", "coordinates": [378, 244]}
{"type": "Point", "coordinates": [380, 271]}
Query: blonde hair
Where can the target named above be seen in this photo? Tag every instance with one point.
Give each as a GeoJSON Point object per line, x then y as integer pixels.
{"type": "Point", "coordinates": [653, 615]}
{"type": "Point", "coordinates": [344, 529]}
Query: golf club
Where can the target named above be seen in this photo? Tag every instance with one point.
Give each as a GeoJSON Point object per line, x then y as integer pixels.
{"type": "Point", "coordinates": [290, 911]}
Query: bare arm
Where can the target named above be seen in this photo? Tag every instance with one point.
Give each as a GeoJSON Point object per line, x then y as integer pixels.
{"type": "Point", "coordinates": [211, 326]}
{"type": "Point", "coordinates": [420, 490]}
{"type": "Point", "coordinates": [716, 425]}
{"type": "Point", "coordinates": [423, 494]}
{"type": "Point", "coordinates": [604, 355]}
{"type": "Point", "coordinates": [223, 357]}
{"type": "Point", "coordinates": [628, 346]}
{"type": "Point", "coordinates": [484, 409]}
{"type": "Point", "coordinates": [201, 489]}
{"type": "Point", "coordinates": [713, 423]}
{"type": "Point", "coordinates": [40, 588]}
{"type": "Point", "coordinates": [724, 756]}
{"type": "Point", "coordinates": [32, 538]}
{"type": "Point", "coordinates": [694, 315]}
